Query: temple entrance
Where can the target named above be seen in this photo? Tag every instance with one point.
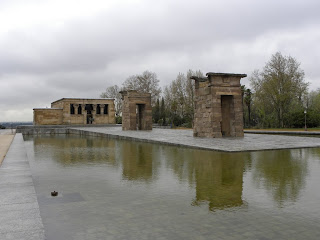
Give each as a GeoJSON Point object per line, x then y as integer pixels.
{"type": "Point", "coordinates": [139, 114]}
{"type": "Point", "coordinates": [226, 102]}
{"type": "Point", "coordinates": [218, 106]}
{"type": "Point", "coordinates": [89, 109]}
{"type": "Point", "coordinates": [136, 110]}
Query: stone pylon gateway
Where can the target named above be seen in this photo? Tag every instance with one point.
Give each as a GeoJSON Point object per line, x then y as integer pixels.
{"type": "Point", "coordinates": [136, 110]}
{"type": "Point", "coordinates": [218, 105]}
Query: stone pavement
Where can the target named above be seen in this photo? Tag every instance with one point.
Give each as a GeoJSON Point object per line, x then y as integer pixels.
{"type": "Point", "coordinates": [6, 137]}
{"type": "Point", "coordinates": [19, 209]}
{"type": "Point", "coordinates": [178, 137]}
{"type": "Point", "coordinates": [283, 132]}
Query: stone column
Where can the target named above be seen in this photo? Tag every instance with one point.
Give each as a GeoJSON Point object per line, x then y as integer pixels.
{"type": "Point", "coordinates": [76, 108]}
{"type": "Point", "coordinates": [102, 108]}
{"type": "Point", "coordinates": [94, 112]}
{"type": "Point", "coordinates": [84, 112]}
{"type": "Point", "coordinates": [94, 109]}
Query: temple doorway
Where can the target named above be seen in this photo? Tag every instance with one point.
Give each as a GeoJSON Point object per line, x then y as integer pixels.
{"type": "Point", "coordinates": [89, 109]}
{"type": "Point", "coordinates": [226, 104]}
{"type": "Point", "coordinates": [136, 110]}
{"type": "Point", "coordinates": [139, 115]}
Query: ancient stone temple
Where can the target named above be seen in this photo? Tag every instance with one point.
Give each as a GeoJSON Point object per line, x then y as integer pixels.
{"type": "Point", "coordinates": [76, 111]}
{"type": "Point", "coordinates": [218, 105]}
{"type": "Point", "coordinates": [136, 110]}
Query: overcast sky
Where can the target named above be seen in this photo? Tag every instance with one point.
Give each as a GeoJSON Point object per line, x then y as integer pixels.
{"type": "Point", "coordinates": [77, 48]}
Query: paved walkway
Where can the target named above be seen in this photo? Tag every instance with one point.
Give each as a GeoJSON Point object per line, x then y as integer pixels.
{"type": "Point", "coordinates": [283, 132]}
{"type": "Point", "coordinates": [19, 209]}
{"type": "Point", "coordinates": [6, 137]}
{"type": "Point", "coordinates": [250, 142]}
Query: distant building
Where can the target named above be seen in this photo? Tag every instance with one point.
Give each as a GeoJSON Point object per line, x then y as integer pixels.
{"type": "Point", "coordinates": [76, 111]}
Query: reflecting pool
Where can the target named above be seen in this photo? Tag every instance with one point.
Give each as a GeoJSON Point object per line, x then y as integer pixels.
{"type": "Point", "coordinates": [115, 189]}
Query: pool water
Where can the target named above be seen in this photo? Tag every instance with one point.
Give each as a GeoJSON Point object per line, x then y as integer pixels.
{"type": "Point", "coordinates": [116, 189]}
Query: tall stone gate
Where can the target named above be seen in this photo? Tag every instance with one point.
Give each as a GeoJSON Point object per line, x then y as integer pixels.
{"type": "Point", "coordinates": [218, 105]}
{"type": "Point", "coordinates": [136, 110]}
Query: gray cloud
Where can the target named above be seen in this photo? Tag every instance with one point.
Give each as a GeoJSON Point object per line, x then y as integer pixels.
{"type": "Point", "coordinates": [79, 56]}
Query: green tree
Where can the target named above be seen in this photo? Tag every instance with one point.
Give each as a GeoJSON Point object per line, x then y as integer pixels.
{"type": "Point", "coordinates": [312, 101]}
{"type": "Point", "coordinates": [247, 101]}
{"type": "Point", "coordinates": [156, 112]}
{"type": "Point", "coordinates": [162, 113]}
{"type": "Point", "coordinates": [277, 87]}
{"type": "Point", "coordinates": [243, 89]}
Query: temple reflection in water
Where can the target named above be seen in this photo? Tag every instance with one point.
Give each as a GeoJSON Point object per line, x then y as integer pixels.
{"type": "Point", "coordinates": [217, 178]}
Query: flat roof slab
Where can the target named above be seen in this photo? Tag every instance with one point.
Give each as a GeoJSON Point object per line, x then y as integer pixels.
{"type": "Point", "coordinates": [178, 137]}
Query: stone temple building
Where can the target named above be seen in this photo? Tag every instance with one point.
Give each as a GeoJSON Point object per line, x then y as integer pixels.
{"type": "Point", "coordinates": [76, 111]}
{"type": "Point", "coordinates": [218, 105]}
{"type": "Point", "coordinates": [136, 110]}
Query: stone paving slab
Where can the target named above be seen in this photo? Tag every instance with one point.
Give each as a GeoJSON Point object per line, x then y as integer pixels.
{"type": "Point", "coordinates": [22, 235]}
{"type": "Point", "coordinates": [177, 137]}
{"type": "Point", "coordinates": [284, 132]}
{"type": "Point", "coordinates": [19, 208]}
{"type": "Point", "coordinates": [6, 137]}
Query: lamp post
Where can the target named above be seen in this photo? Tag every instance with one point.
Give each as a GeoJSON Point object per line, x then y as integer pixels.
{"type": "Point", "coordinates": [305, 119]}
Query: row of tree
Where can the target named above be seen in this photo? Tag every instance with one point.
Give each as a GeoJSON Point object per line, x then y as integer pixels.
{"type": "Point", "coordinates": [179, 99]}
{"type": "Point", "coordinates": [278, 96]}
{"type": "Point", "coordinates": [145, 82]}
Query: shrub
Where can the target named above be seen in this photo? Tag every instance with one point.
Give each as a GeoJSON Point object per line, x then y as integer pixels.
{"type": "Point", "coordinates": [118, 120]}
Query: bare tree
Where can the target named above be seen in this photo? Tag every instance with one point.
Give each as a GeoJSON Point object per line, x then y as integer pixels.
{"type": "Point", "coordinates": [113, 92]}
{"type": "Point", "coordinates": [179, 97]}
{"type": "Point", "coordinates": [145, 82]}
{"type": "Point", "coordinates": [190, 89]}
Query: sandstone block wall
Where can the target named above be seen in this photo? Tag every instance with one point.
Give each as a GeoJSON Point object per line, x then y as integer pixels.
{"type": "Point", "coordinates": [218, 105]}
{"type": "Point", "coordinates": [82, 110]}
{"type": "Point", "coordinates": [47, 116]}
{"type": "Point", "coordinates": [136, 110]}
